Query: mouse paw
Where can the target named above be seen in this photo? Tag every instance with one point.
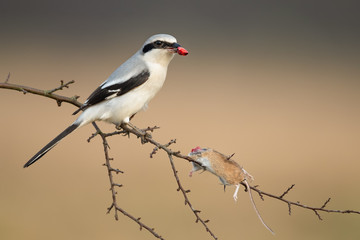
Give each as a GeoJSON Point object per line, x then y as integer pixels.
{"type": "Point", "coordinates": [235, 197]}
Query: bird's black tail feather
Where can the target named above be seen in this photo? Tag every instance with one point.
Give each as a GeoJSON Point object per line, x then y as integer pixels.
{"type": "Point", "coordinates": [51, 144]}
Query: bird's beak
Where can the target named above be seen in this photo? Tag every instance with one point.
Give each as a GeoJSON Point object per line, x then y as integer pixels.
{"type": "Point", "coordinates": [176, 48]}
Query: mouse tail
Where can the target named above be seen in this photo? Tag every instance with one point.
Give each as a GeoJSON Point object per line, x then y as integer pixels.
{"type": "Point", "coordinates": [256, 210]}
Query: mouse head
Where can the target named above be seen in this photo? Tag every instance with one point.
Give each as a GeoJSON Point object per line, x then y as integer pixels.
{"type": "Point", "coordinates": [195, 153]}
{"type": "Point", "coordinates": [195, 150]}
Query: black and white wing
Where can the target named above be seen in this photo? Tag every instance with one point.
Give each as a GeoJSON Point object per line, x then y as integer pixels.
{"type": "Point", "coordinates": [112, 89]}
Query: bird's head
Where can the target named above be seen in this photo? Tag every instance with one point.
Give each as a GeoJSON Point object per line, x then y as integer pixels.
{"type": "Point", "coordinates": [161, 48]}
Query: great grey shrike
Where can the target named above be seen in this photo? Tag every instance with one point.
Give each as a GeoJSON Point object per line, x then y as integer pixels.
{"type": "Point", "coordinates": [128, 89]}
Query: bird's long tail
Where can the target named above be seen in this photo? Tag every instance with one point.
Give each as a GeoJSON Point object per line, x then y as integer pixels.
{"type": "Point", "coordinates": [52, 144]}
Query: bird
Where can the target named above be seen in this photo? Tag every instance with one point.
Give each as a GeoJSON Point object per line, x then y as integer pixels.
{"type": "Point", "coordinates": [127, 90]}
{"type": "Point", "coordinates": [228, 171]}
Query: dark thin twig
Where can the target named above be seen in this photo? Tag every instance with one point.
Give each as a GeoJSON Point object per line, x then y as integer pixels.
{"type": "Point", "coordinates": [298, 204]}
{"type": "Point", "coordinates": [7, 79]}
{"type": "Point", "coordinates": [154, 151]}
{"type": "Point", "coordinates": [287, 191]}
{"type": "Point", "coordinates": [62, 85]}
{"type": "Point", "coordinates": [317, 214]}
{"type": "Point", "coordinates": [289, 206]}
{"type": "Point", "coordinates": [110, 171]}
{"type": "Point", "coordinates": [148, 138]}
{"type": "Point", "coordinates": [187, 202]}
{"type": "Point", "coordinates": [325, 203]}
{"type": "Point", "coordinates": [58, 98]}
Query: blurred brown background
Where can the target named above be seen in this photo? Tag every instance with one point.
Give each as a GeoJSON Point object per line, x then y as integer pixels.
{"type": "Point", "coordinates": [275, 82]}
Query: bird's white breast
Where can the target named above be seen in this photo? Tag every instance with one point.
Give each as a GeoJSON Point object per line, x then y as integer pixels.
{"type": "Point", "coordinates": [119, 109]}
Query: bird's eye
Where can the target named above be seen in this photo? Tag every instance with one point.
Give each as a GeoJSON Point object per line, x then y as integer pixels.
{"type": "Point", "coordinates": [158, 43]}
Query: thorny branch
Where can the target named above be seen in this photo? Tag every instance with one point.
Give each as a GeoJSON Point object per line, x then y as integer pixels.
{"type": "Point", "coordinates": [187, 201]}
{"type": "Point", "coordinates": [114, 185]}
{"type": "Point", "coordinates": [62, 85]}
{"type": "Point", "coordinates": [45, 93]}
{"type": "Point", "coordinates": [261, 193]}
{"type": "Point", "coordinates": [147, 138]}
{"type": "Point", "coordinates": [316, 210]}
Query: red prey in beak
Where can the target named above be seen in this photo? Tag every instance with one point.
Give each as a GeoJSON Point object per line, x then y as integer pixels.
{"type": "Point", "coordinates": [182, 51]}
{"type": "Point", "coordinates": [178, 49]}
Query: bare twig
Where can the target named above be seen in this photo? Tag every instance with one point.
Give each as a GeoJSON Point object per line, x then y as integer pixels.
{"type": "Point", "coordinates": [157, 144]}
{"type": "Point", "coordinates": [7, 79]}
{"type": "Point", "coordinates": [110, 171]}
{"type": "Point", "coordinates": [62, 85]}
{"type": "Point", "coordinates": [289, 206]}
{"type": "Point", "coordinates": [298, 204]}
{"type": "Point", "coordinates": [147, 138]}
{"type": "Point", "coordinates": [58, 98]}
{"type": "Point", "coordinates": [166, 145]}
{"type": "Point", "coordinates": [287, 191]}
{"type": "Point", "coordinates": [325, 203]}
{"type": "Point", "coordinates": [187, 201]}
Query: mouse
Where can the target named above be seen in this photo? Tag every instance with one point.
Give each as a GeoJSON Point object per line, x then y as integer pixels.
{"type": "Point", "coordinates": [228, 171]}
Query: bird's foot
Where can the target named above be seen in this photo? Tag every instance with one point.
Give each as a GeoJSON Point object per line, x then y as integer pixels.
{"type": "Point", "coordinates": [142, 134]}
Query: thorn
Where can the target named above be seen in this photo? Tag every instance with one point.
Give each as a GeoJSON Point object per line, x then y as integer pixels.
{"type": "Point", "coordinates": [287, 191]}
{"type": "Point", "coordinates": [261, 196]}
{"type": "Point", "coordinates": [116, 170]}
{"type": "Point", "coordinates": [230, 156]}
{"type": "Point", "coordinates": [326, 202]}
{"type": "Point", "coordinates": [8, 77]}
{"type": "Point", "coordinates": [289, 205]}
{"type": "Point", "coordinates": [318, 215]}
{"type": "Point", "coordinates": [109, 208]}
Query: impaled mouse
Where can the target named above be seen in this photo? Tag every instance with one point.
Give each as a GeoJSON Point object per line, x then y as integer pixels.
{"type": "Point", "coordinates": [228, 171]}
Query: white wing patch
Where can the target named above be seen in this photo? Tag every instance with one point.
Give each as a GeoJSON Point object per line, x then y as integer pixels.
{"type": "Point", "coordinates": [115, 91]}
{"type": "Point", "coordinates": [112, 95]}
